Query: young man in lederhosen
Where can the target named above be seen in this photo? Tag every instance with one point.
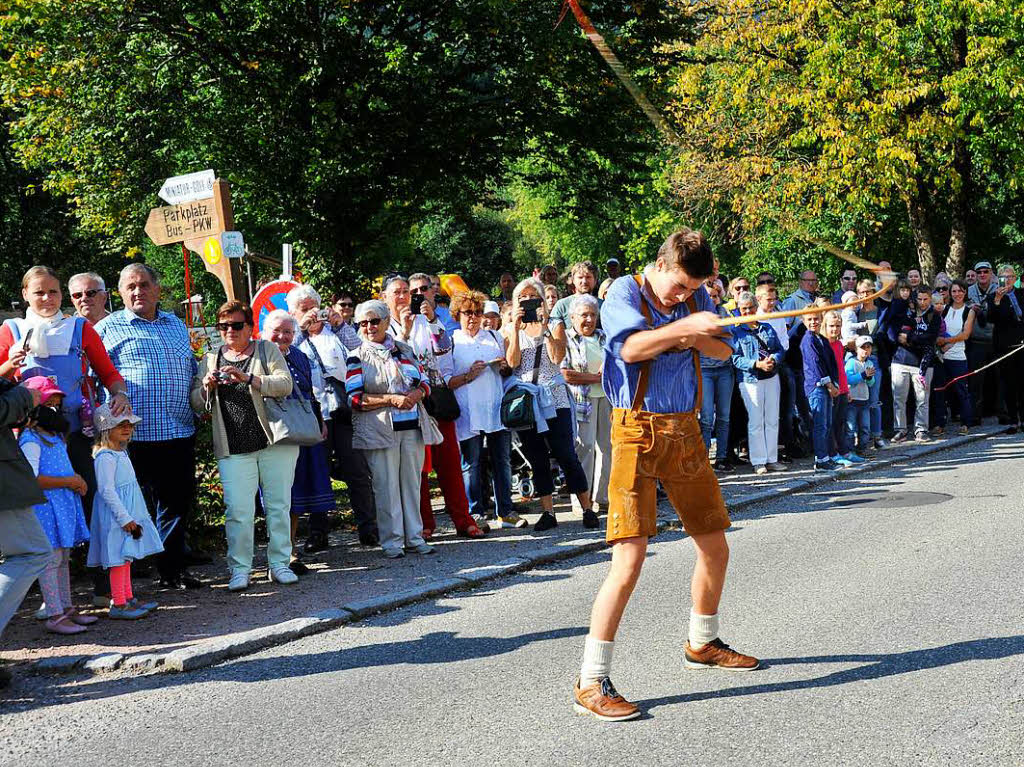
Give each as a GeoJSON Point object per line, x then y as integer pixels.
{"type": "Point", "coordinates": [654, 324]}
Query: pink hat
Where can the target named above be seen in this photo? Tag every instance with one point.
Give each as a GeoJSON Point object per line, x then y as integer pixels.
{"type": "Point", "coordinates": [45, 385]}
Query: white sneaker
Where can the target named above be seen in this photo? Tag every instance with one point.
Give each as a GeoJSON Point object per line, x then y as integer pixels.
{"type": "Point", "coordinates": [424, 548]}
{"type": "Point", "coordinates": [239, 580]}
{"type": "Point", "coordinates": [283, 575]}
{"type": "Point", "coordinates": [760, 469]}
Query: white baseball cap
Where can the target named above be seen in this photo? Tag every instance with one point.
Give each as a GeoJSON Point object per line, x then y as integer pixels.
{"type": "Point", "coordinates": [860, 341]}
{"type": "Point", "coordinates": [491, 307]}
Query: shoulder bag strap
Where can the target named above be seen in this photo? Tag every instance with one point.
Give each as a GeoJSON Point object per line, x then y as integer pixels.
{"type": "Point", "coordinates": [538, 350]}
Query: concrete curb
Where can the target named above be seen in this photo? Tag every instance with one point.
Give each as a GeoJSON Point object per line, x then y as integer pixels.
{"type": "Point", "coordinates": [212, 651]}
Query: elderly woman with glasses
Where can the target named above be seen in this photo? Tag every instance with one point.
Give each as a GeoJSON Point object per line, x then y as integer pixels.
{"type": "Point", "coordinates": [582, 367]}
{"type": "Point", "coordinates": [311, 491]}
{"type": "Point", "coordinates": [478, 359]}
{"type": "Point", "coordinates": [386, 385]}
{"type": "Point", "coordinates": [231, 385]}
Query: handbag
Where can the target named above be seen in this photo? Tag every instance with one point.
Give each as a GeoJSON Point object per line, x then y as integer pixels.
{"type": "Point", "coordinates": [517, 403]}
{"type": "Point", "coordinates": [291, 421]}
{"type": "Point", "coordinates": [441, 404]}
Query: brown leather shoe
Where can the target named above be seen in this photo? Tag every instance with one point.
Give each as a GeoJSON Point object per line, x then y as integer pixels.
{"type": "Point", "coordinates": [717, 654]}
{"type": "Point", "coordinates": [602, 701]}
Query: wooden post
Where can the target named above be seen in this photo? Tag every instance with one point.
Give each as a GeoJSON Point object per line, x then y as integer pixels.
{"type": "Point", "coordinates": [227, 270]}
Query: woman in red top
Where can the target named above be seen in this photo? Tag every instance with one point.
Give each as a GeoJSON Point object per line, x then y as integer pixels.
{"type": "Point", "coordinates": [840, 447]}
{"type": "Point", "coordinates": [48, 343]}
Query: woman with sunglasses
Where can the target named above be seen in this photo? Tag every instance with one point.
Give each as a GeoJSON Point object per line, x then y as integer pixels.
{"type": "Point", "coordinates": [386, 384]}
{"type": "Point", "coordinates": [430, 344]}
{"type": "Point", "coordinates": [231, 385]}
{"type": "Point", "coordinates": [478, 357]}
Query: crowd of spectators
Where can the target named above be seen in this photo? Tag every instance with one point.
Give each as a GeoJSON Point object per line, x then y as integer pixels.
{"type": "Point", "coordinates": [413, 382]}
{"type": "Point", "coordinates": [840, 385]}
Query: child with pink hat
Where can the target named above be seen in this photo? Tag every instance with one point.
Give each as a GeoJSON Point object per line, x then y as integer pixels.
{"type": "Point", "coordinates": [62, 516]}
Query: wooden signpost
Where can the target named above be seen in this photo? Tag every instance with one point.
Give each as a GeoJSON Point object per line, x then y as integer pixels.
{"type": "Point", "coordinates": [198, 225]}
{"type": "Point", "coordinates": [185, 221]}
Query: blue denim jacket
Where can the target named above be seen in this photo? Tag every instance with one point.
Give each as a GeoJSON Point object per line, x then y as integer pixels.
{"type": "Point", "coordinates": [753, 344]}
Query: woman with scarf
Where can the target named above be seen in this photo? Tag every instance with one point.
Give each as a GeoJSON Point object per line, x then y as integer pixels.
{"type": "Point", "coordinates": [386, 385]}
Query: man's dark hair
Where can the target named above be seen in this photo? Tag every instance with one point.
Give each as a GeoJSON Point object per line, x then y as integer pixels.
{"type": "Point", "coordinates": [688, 249]}
{"type": "Point", "coordinates": [924, 288]}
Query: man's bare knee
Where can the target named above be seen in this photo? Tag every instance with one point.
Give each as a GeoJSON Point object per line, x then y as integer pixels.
{"type": "Point", "coordinates": [628, 560]}
{"type": "Point", "coordinates": [712, 547]}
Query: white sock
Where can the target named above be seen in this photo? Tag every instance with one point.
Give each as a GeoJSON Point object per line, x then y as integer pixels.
{"type": "Point", "coordinates": [703, 628]}
{"type": "Point", "coordinates": [597, 661]}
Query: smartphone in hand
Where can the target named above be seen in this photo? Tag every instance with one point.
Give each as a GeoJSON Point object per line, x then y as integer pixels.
{"type": "Point", "coordinates": [529, 307]}
{"type": "Point", "coordinates": [416, 303]}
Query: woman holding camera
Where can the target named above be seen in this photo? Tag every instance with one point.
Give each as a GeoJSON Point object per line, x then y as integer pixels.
{"type": "Point", "coordinates": [535, 352]}
{"type": "Point", "coordinates": [231, 385]}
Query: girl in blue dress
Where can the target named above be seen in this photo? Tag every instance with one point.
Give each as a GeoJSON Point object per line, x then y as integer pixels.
{"type": "Point", "coordinates": [62, 516]}
{"type": "Point", "coordinates": [122, 530]}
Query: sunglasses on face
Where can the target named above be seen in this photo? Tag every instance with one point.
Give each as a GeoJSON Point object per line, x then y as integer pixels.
{"type": "Point", "coordinates": [421, 289]}
{"type": "Point", "coordinates": [473, 312]}
{"type": "Point", "coordinates": [941, 290]}
{"type": "Point", "coordinates": [370, 323]}
{"type": "Point", "coordinates": [741, 287]}
{"type": "Point", "coordinates": [223, 327]}
{"type": "Point", "coordinates": [86, 293]}
{"type": "Point", "coordinates": [345, 304]}
{"type": "Point", "coordinates": [766, 282]}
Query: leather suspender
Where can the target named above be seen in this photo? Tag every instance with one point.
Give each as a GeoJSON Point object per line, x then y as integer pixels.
{"type": "Point", "coordinates": [645, 369]}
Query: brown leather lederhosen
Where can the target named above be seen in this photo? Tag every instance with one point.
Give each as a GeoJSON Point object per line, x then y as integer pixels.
{"type": "Point", "coordinates": [647, 447]}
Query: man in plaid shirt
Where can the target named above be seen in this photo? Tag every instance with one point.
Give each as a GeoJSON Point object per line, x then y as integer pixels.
{"type": "Point", "coordinates": [151, 350]}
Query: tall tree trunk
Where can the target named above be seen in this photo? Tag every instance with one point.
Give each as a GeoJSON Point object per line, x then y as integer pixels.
{"type": "Point", "coordinates": [961, 200]}
{"type": "Point", "coordinates": [960, 212]}
{"type": "Point", "coordinates": [920, 226]}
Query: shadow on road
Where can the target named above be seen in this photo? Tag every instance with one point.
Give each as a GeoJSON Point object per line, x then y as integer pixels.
{"type": "Point", "coordinates": [876, 666]}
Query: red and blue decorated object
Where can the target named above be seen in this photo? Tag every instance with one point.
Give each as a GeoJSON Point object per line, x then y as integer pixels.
{"type": "Point", "coordinates": [271, 296]}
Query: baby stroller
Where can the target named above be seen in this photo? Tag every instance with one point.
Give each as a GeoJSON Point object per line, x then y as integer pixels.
{"type": "Point", "coordinates": [522, 474]}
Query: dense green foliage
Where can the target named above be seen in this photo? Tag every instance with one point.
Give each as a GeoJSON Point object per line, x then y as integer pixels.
{"type": "Point", "coordinates": [472, 136]}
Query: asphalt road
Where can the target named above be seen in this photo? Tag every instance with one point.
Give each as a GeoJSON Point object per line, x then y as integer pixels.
{"type": "Point", "coordinates": [888, 611]}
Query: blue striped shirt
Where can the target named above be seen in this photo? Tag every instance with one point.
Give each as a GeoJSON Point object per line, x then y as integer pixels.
{"type": "Point", "coordinates": [157, 363]}
{"type": "Point", "coordinates": [672, 384]}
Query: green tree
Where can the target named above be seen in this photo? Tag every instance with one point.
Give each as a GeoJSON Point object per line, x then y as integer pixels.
{"type": "Point", "coordinates": [815, 108]}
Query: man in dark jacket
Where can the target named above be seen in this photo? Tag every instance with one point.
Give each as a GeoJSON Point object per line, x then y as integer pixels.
{"type": "Point", "coordinates": [1006, 314]}
{"type": "Point", "coordinates": [22, 540]}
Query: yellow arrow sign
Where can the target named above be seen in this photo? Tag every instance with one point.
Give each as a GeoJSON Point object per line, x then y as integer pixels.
{"type": "Point", "coordinates": [212, 251]}
{"type": "Point", "coordinates": [187, 221]}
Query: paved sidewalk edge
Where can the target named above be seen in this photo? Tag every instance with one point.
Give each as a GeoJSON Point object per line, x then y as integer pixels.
{"type": "Point", "coordinates": [209, 652]}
